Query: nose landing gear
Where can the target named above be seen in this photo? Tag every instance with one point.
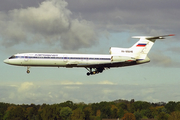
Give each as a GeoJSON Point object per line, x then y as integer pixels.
{"type": "Point", "coordinates": [28, 71]}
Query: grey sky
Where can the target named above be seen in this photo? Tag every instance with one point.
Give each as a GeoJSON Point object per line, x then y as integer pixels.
{"type": "Point", "coordinates": [59, 21]}
{"type": "Point", "coordinates": [141, 15]}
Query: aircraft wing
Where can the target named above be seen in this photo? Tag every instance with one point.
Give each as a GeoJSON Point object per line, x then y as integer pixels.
{"type": "Point", "coordinates": [107, 65]}
{"type": "Point", "coordinates": [99, 68]}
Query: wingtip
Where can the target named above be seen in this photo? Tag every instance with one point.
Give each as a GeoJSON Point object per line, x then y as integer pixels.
{"type": "Point", "coordinates": [172, 35]}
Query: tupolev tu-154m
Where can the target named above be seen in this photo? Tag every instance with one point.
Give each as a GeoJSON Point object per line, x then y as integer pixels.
{"type": "Point", "coordinates": [94, 63]}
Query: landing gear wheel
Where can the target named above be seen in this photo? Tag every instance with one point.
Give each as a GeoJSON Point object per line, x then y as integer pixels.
{"type": "Point", "coordinates": [28, 71]}
{"type": "Point", "coordinates": [88, 74]}
{"type": "Point", "coordinates": [96, 71]}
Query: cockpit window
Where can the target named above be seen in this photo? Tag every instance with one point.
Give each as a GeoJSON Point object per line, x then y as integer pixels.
{"type": "Point", "coordinates": [12, 57]}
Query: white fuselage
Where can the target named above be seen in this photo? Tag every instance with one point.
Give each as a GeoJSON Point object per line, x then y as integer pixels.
{"type": "Point", "coordinates": [57, 60]}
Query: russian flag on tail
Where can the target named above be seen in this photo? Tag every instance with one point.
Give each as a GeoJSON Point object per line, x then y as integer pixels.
{"type": "Point", "coordinates": [141, 45]}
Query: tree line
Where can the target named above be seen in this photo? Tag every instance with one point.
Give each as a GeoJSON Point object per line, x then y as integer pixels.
{"type": "Point", "coordinates": [122, 109]}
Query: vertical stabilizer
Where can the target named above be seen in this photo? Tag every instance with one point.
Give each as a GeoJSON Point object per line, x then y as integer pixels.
{"type": "Point", "coordinates": [144, 45]}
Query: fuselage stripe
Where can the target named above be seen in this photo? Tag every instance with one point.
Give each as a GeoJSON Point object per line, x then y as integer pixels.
{"type": "Point", "coordinates": [71, 58]}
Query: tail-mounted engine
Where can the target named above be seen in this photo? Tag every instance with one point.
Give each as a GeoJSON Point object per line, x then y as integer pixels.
{"type": "Point", "coordinates": [122, 59]}
{"type": "Point", "coordinates": [121, 54]}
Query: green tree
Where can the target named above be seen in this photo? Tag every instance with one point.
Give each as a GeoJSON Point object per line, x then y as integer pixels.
{"type": "Point", "coordinates": [77, 114]}
{"type": "Point", "coordinates": [121, 113]}
{"type": "Point", "coordinates": [69, 104]}
{"type": "Point", "coordinates": [123, 106]}
{"type": "Point", "coordinates": [138, 115]}
{"type": "Point", "coordinates": [46, 113]}
{"type": "Point", "coordinates": [114, 113]}
{"type": "Point", "coordinates": [129, 116]}
{"type": "Point", "coordinates": [15, 113]}
{"type": "Point", "coordinates": [65, 113]}
{"type": "Point", "coordinates": [161, 109]}
{"type": "Point", "coordinates": [148, 113]}
{"type": "Point", "coordinates": [162, 116]}
{"type": "Point", "coordinates": [139, 105]}
{"type": "Point", "coordinates": [178, 106]}
{"type": "Point", "coordinates": [86, 115]}
{"type": "Point", "coordinates": [3, 108]}
{"type": "Point", "coordinates": [95, 107]}
{"type": "Point", "coordinates": [32, 112]}
{"type": "Point", "coordinates": [87, 112]}
{"type": "Point", "coordinates": [175, 115]}
{"type": "Point", "coordinates": [170, 106]}
{"type": "Point", "coordinates": [95, 118]}
{"type": "Point", "coordinates": [50, 112]}
{"type": "Point", "coordinates": [106, 112]}
{"type": "Point", "coordinates": [105, 108]}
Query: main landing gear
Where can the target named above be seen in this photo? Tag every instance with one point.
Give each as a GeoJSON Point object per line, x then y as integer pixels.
{"type": "Point", "coordinates": [28, 71]}
{"type": "Point", "coordinates": [96, 71]}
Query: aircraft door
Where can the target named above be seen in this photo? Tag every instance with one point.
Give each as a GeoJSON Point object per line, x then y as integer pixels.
{"type": "Point", "coordinates": [26, 58]}
{"type": "Point", "coordinates": [65, 58]}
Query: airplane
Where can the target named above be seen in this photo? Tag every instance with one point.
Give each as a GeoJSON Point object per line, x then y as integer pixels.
{"type": "Point", "coordinates": [94, 63]}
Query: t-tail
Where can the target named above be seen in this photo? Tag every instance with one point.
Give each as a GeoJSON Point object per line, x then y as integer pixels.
{"type": "Point", "coordinates": [138, 52]}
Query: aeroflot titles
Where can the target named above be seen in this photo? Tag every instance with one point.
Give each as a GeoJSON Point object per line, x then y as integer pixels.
{"type": "Point", "coordinates": [45, 55]}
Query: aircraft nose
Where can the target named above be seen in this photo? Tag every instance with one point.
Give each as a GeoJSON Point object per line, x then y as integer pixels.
{"type": "Point", "coordinates": [6, 61]}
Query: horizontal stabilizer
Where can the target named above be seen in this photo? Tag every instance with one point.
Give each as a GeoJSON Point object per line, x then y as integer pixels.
{"type": "Point", "coordinates": [159, 37]}
{"type": "Point", "coordinates": [153, 37]}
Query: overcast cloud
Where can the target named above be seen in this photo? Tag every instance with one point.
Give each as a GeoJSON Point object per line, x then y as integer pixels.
{"type": "Point", "coordinates": [49, 23]}
{"type": "Point", "coordinates": [78, 23]}
{"type": "Point", "coordinates": [142, 16]}
{"type": "Point", "coordinates": [29, 92]}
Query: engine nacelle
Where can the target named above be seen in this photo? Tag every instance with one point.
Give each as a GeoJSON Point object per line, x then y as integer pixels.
{"type": "Point", "coordinates": [116, 51]}
{"type": "Point", "coordinates": [122, 58]}
{"type": "Point", "coordinates": [143, 61]}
